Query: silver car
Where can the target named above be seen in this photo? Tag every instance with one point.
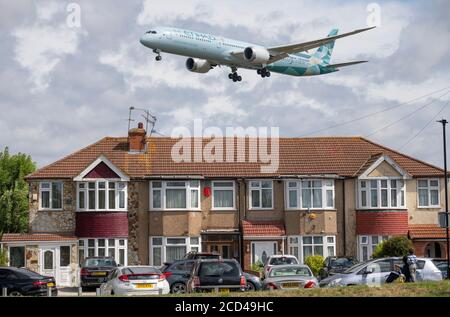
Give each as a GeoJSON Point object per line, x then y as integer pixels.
{"type": "Point", "coordinates": [289, 277]}
{"type": "Point", "coordinates": [375, 272]}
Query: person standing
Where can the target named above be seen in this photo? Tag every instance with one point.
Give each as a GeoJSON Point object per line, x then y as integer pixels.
{"type": "Point", "coordinates": [411, 261]}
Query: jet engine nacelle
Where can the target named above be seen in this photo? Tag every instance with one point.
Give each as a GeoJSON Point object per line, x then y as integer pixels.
{"type": "Point", "coordinates": [256, 55]}
{"type": "Point", "coordinates": [198, 65]}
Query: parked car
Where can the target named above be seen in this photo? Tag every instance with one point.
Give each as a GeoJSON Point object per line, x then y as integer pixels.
{"type": "Point", "coordinates": [288, 277]}
{"type": "Point", "coordinates": [335, 264]}
{"type": "Point", "coordinates": [442, 265]}
{"type": "Point", "coordinates": [375, 272]}
{"type": "Point", "coordinates": [23, 282]}
{"type": "Point", "coordinates": [193, 255]}
{"type": "Point", "coordinates": [94, 271]}
{"type": "Point", "coordinates": [278, 260]}
{"type": "Point", "coordinates": [223, 275]}
{"type": "Point", "coordinates": [136, 280]}
{"type": "Point", "coordinates": [178, 271]}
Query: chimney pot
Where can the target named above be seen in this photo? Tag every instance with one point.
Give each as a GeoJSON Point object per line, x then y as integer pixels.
{"type": "Point", "coordinates": [140, 125]}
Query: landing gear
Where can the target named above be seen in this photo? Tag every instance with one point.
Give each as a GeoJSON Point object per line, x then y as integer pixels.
{"type": "Point", "coordinates": [158, 54]}
{"type": "Point", "coordinates": [234, 76]}
{"type": "Point", "coordinates": [263, 72]}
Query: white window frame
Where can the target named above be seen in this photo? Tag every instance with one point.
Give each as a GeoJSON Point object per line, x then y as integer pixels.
{"type": "Point", "coordinates": [50, 191]}
{"type": "Point", "coordinates": [369, 244]}
{"type": "Point", "coordinates": [429, 188]}
{"type": "Point", "coordinates": [259, 187]}
{"type": "Point", "coordinates": [117, 189]}
{"type": "Point", "coordinates": [298, 188]}
{"type": "Point", "coordinates": [164, 187]}
{"type": "Point", "coordinates": [299, 244]}
{"type": "Point", "coordinates": [401, 193]}
{"type": "Point", "coordinates": [117, 248]}
{"type": "Point", "coordinates": [214, 188]}
{"type": "Point", "coordinates": [163, 246]}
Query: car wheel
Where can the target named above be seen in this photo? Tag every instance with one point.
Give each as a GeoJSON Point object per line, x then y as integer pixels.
{"type": "Point", "coordinates": [15, 293]}
{"type": "Point", "coordinates": [250, 287]}
{"type": "Point", "coordinates": [178, 288]}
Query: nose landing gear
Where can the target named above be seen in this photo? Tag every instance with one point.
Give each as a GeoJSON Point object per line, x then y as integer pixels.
{"type": "Point", "coordinates": [158, 54]}
{"type": "Point", "coordinates": [263, 72]}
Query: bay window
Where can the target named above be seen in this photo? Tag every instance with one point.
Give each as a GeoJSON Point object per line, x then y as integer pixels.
{"type": "Point", "coordinates": [261, 194]}
{"type": "Point", "coordinates": [175, 195]}
{"type": "Point", "coordinates": [310, 194]}
{"type": "Point", "coordinates": [112, 247]}
{"type": "Point", "coordinates": [428, 192]}
{"type": "Point", "coordinates": [51, 195]}
{"type": "Point", "coordinates": [304, 246]}
{"type": "Point", "coordinates": [101, 195]}
{"type": "Point", "coordinates": [223, 195]}
{"type": "Point", "coordinates": [169, 249]}
{"type": "Point", "coordinates": [367, 246]}
{"type": "Point", "coordinates": [381, 193]}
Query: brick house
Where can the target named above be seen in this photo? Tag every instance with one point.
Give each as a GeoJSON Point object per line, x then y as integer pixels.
{"type": "Point", "coordinates": [125, 197]}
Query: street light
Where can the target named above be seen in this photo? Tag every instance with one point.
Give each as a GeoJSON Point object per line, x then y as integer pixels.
{"type": "Point", "coordinates": [444, 123]}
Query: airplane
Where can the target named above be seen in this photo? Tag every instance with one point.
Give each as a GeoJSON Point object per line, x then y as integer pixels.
{"type": "Point", "coordinates": [206, 51]}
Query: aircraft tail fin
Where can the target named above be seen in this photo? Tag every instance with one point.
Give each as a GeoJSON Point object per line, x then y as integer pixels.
{"type": "Point", "coordinates": [324, 52]}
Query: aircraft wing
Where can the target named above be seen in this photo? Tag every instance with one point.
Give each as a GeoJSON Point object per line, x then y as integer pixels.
{"type": "Point", "coordinates": [279, 52]}
{"type": "Point", "coordinates": [345, 64]}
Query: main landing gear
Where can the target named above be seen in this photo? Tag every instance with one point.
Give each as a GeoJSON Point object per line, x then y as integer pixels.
{"type": "Point", "coordinates": [158, 54]}
{"type": "Point", "coordinates": [263, 72]}
{"type": "Point", "coordinates": [234, 76]}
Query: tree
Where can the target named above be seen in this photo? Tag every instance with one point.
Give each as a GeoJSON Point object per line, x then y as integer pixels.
{"type": "Point", "coordinates": [315, 263]}
{"type": "Point", "coordinates": [14, 191]}
{"type": "Point", "coordinates": [396, 246]}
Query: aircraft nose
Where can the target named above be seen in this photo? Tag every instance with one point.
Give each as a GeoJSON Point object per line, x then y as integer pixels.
{"type": "Point", "coordinates": [143, 39]}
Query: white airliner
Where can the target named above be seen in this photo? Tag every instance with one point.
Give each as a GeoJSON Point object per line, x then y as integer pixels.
{"type": "Point", "coordinates": [206, 51]}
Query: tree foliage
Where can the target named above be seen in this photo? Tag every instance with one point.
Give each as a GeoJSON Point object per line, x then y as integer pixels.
{"type": "Point", "coordinates": [396, 246]}
{"type": "Point", "coordinates": [14, 191]}
{"type": "Point", "coordinates": [315, 263]}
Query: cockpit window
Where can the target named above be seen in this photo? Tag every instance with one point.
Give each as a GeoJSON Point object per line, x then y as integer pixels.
{"type": "Point", "coordinates": [151, 32]}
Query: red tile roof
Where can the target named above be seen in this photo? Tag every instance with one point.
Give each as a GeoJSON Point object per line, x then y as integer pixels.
{"type": "Point", "coordinates": [263, 228]}
{"type": "Point", "coordinates": [19, 237]}
{"type": "Point", "coordinates": [343, 156]}
{"type": "Point", "coordinates": [426, 232]}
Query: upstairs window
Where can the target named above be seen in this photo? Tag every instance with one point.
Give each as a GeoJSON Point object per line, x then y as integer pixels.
{"type": "Point", "coordinates": [50, 195]}
{"type": "Point", "coordinates": [261, 194]}
{"type": "Point", "coordinates": [310, 194]}
{"type": "Point", "coordinates": [381, 193]}
{"type": "Point", "coordinates": [428, 192]}
{"type": "Point", "coordinates": [175, 195]}
{"type": "Point", "coordinates": [101, 195]}
{"type": "Point", "coordinates": [223, 195]}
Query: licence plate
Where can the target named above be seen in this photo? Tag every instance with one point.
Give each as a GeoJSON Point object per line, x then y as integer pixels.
{"type": "Point", "coordinates": [142, 285]}
{"type": "Point", "coordinates": [98, 273]}
{"type": "Point", "coordinates": [224, 290]}
{"type": "Point", "coordinates": [291, 285]}
{"type": "Point", "coordinates": [50, 284]}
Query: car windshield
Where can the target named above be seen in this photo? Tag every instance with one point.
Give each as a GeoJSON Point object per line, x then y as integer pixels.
{"type": "Point", "coordinates": [354, 268]}
{"type": "Point", "coordinates": [282, 261]}
{"type": "Point", "coordinates": [342, 262]}
{"type": "Point", "coordinates": [290, 271]}
{"type": "Point", "coordinates": [219, 269]}
{"type": "Point", "coordinates": [99, 262]}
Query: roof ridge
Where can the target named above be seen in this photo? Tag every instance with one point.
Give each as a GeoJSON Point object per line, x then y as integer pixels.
{"type": "Point", "coordinates": [65, 157]}
{"type": "Point", "coordinates": [401, 154]}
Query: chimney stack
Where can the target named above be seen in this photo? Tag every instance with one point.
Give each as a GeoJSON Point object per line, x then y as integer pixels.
{"type": "Point", "coordinates": [136, 138]}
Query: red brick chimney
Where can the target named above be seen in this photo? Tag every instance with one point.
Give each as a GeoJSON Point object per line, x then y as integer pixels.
{"type": "Point", "coordinates": [136, 138]}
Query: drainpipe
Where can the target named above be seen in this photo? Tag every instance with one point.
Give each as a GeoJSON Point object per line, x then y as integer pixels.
{"type": "Point", "coordinates": [344, 232]}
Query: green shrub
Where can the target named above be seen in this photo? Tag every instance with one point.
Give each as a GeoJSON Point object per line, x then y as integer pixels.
{"type": "Point", "coordinates": [396, 246]}
{"type": "Point", "coordinates": [257, 267]}
{"type": "Point", "coordinates": [3, 257]}
{"type": "Point", "coordinates": [315, 263]}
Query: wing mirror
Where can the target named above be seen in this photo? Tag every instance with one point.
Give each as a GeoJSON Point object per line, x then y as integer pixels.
{"type": "Point", "coordinates": [369, 270]}
{"type": "Point", "coordinates": [186, 275]}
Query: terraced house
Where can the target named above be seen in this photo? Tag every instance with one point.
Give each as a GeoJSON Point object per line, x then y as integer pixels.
{"type": "Point", "coordinates": [125, 197]}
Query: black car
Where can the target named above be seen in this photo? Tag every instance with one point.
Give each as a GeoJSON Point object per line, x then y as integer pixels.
{"type": "Point", "coordinates": [193, 255]}
{"type": "Point", "coordinates": [23, 282]}
{"type": "Point", "coordinates": [220, 275]}
{"type": "Point", "coordinates": [95, 270]}
{"type": "Point", "coordinates": [335, 264]}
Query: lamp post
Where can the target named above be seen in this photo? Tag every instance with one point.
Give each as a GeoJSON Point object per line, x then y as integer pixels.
{"type": "Point", "coordinates": [444, 123]}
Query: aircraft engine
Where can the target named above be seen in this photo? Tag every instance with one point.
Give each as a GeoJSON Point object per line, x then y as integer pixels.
{"type": "Point", "coordinates": [198, 65]}
{"type": "Point", "coordinates": [256, 55]}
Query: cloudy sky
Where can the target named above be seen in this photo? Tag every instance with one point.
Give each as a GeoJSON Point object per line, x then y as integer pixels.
{"type": "Point", "coordinates": [64, 87]}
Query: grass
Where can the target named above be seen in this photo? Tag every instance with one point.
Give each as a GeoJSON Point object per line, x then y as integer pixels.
{"type": "Point", "coordinates": [423, 289]}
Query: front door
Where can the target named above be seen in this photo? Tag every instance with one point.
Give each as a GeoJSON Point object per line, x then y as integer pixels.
{"type": "Point", "coordinates": [223, 249]}
{"type": "Point", "coordinates": [48, 262]}
{"type": "Point", "coordinates": [262, 250]}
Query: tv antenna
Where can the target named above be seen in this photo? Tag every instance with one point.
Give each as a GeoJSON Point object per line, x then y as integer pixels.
{"type": "Point", "coordinates": [149, 118]}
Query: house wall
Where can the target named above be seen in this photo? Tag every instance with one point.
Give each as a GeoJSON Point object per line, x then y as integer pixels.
{"type": "Point", "coordinates": [277, 213]}
{"type": "Point", "coordinates": [52, 221]}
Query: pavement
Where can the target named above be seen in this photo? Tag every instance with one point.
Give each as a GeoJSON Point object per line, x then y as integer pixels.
{"type": "Point", "coordinates": [73, 292]}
